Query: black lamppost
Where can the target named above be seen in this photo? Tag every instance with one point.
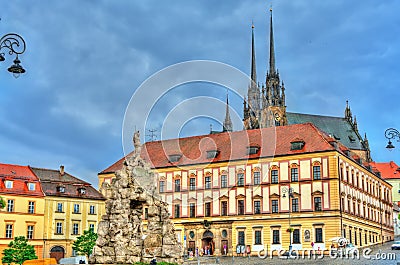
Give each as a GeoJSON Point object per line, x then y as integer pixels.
{"type": "Point", "coordinates": [391, 133]}
{"type": "Point", "coordinates": [15, 44]}
{"type": "Point", "coordinates": [290, 192]}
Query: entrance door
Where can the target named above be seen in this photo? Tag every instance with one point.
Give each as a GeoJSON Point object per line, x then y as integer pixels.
{"type": "Point", "coordinates": [207, 243]}
{"type": "Point", "coordinates": [208, 246]}
{"type": "Point", "coordinates": [224, 247]}
{"type": "Point", "coordinates": [57, 252]}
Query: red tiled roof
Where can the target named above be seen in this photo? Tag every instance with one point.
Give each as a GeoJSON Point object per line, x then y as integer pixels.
{"type": "Point", "coordinates": [20, 175]}
{"type": "Point", "coordinates": [51, 179]}
{"type": "Point", "coordinates": [389, 170]}
{"type": "Point", "coordinates": [275, 141]}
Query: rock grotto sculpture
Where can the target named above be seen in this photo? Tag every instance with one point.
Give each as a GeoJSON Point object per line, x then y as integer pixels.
{"type": "Point", "coordinates": [121, 237]}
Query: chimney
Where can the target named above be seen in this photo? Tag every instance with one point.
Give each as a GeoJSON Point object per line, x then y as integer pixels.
{"type": "Point", "coordinates": [62, 170]}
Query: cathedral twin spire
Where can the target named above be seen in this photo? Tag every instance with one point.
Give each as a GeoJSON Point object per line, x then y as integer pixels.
{"type": "Point", "coordinates": [265, 106]}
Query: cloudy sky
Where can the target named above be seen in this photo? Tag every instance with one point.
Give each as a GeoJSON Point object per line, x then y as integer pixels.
{"type": "Point", "coordinates": [85, 59]}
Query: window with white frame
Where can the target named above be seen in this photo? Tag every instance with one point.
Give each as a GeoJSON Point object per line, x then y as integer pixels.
{"type": "Point", "coordinates": [192, 183]}
{"type": "Point", "coordinates": [177, 185]}
{"type": "Point", "coordinates": [274, 176]}
{"type": "Point", "coordinates": [257, 237]}
{"type": "Point", "coordinates": [207, 181]}
{"type": "Point", "coordinates": [9, 230]}
{"type": "Point", "coordinates": [76, 208]}
{"type": "Point", "coordinates": [294, 174]}
{"type": "Point", "coordinates": [59, 228]}
{"type": "Point", "coordinates": [240, 179]}
{"type": "Point", "coordinates": [318, 235]}
{"type": "Point", "coordinates": [224, 181]}
{"type": "Point", "coordinates": [92, 209]}
{"type": "Point", "coordinates": [10, 205]}
{"type": "Point", "coordinates": [75, 228]}
{"type": "Point", "coordinates": [29, 232]}
{"type": "Point", "coordinates": [275, 208]}
{"type": "Point", "coordinates": [31, 207]}
{"type": "Point", "coordinates": [31, 186]}
{"type": "Point", "coordinates": [60, 207]}
{"type": "Point", "coordinates": [162, 186]}
{"type": "Point", "coordinates": [316, 172]}
{"type": "Point", "coordinates": [295, 205]}
{"type": "Point", "coordinates": [91, 227]}
{"type": "Point", "coordinates": [8, 184]}
{"type": "Point", "coordinates": [257, 178]}
{"type": "Point", "coordinates": [275, 237]}
{"type": "Point", "coordinates": [296, 236]}
{"type": "Point", "coordinates": [257, 207]}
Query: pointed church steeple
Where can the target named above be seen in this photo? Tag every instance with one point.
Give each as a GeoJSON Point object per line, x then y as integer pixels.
{"type": "Point", "coordinates": [227, 126]}
{"type": "Point", "coordinates": [253, 56]}
{"type": "Point", "coordinates": [347, 113]}
{"type": "Point", "coordinates": [271, 47]}
{"type": "Point", "coordinates": [252, 108]}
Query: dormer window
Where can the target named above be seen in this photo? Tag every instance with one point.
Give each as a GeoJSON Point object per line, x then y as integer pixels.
{"type": "Point", "coordinates": [212, 154]}
{"type": "Point", "coordinates": [253, 149]}
{"type": "Point", "coordinates": [82, 191]}
{"type": "Point", "coordinates": [297, 144]}
{"type": "Point", "coordinates": [31, 186]}
{"type": "Point", "coordinates": [352, 139]}
{"type": "Point", "coordinates": [8, 184]}
{"type": "Point", "coordinates": [174, 158]}
{"type": "Point", "coordinates": [61, 189]}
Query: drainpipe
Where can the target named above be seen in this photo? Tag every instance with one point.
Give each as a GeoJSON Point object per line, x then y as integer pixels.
{"type": "Point", "coordinates": [340, 196]}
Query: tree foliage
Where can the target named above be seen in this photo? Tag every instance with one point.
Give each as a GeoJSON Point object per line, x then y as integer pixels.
{"type": "Point", "coordinates": [18, 251]}
{"type": "Point", "coordinates": [2, 203]}
{"type": "Point", "coordinates": [84, 244]}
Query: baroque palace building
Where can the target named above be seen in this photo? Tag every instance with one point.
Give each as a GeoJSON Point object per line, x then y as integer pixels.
{"type": "Point", "coordinates": [288, 180]}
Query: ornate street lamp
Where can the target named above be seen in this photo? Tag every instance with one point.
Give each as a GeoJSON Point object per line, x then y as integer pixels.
{"type": "Point", "coordinates": [391, 133]}
{"type": "Point", "coordinates": [289, 191]}
{"type": "Point", "coordinates": [15, 44]}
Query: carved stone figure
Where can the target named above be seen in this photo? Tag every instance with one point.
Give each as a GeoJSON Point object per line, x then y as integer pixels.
{"type": "Point", "coordinates": [136, 141]}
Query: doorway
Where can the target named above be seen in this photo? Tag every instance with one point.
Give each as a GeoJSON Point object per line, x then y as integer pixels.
{"type": "Point", "coordinates": [224, 247]}
{"type": "Point", "coordinates": [57, 252]}
{"type": "Point", "coordinates": [208, 245]}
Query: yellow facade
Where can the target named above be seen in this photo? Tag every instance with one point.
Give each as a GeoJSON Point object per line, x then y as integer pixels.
{"type": "Point", "coordinates": [352, 201]}
{"type": "Point", "coordinates": [21, 221]}
{"type": "Point", "coordinates": [396, 189]}
{"type": "Point", "coordinates": [66, 217]}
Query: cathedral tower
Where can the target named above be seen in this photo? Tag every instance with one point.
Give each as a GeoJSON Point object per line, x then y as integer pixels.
{"type": "Point", "coordinates": [265, 107]}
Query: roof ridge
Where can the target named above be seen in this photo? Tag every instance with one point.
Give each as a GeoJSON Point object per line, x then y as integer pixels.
{"type": "Point", "coordinates": [316, 115]}
{"type": "Point", "coordinates": [65, 172]}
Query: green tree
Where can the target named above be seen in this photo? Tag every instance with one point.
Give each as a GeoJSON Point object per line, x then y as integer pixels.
{"type": "Point", "coordinates": [19, 250]}
{"type": "Point", "coordinates": [84, 244]}
{"type": "Point", "coordinates": [2, 203]}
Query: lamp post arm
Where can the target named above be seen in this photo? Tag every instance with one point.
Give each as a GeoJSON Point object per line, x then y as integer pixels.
{"type": "Point", "coordinates": [14, 43]}
{"type": "Point", "coordinates": [392, 133]}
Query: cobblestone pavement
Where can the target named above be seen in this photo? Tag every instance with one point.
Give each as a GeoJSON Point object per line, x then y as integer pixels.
{"type": "Point", "coordinates": [379, 254]}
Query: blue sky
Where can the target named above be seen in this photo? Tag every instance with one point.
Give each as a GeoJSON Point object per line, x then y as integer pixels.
{"type": "Point", "coordinates": [85, 59]}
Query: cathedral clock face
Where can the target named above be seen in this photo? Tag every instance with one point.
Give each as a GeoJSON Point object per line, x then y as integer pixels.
{"type": "Point", "coordinates": [277, 116]}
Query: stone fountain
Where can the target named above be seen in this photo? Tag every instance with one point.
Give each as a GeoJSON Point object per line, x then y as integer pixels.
{"type": "Point", "coordinates": [122, 238]}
